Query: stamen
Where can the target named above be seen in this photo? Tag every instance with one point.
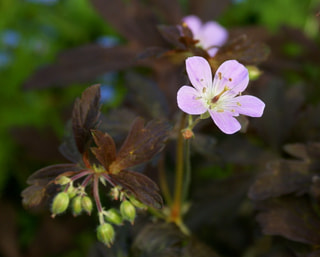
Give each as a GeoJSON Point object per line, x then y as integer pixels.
{"type": "Point", "coordinates": [219, 75]}
{"type": "Point", "coordinates": [204, 89]}
{"type": "Point", "coordinates": [220, 110]}
{"type": "Point", "coordinates": [239, 104]}
{"type": "Point", "coordinates": [230, 79]}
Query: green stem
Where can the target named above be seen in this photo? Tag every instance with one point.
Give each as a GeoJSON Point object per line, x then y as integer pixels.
{"type": "Point", "coordinates": [164, 182]}
{"type": "Point", "coordinates": [187, 179]}
{"type": "Point", "coordinates": [175, 215]}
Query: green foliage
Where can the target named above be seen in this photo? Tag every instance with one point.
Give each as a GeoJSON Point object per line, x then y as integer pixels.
{"type": "Point", "coordinates": [273, 14]}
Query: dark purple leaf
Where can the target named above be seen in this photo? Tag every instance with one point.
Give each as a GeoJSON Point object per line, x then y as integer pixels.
{"type": "Point", "coordinates": [290, 217]}
{"type": "Point", "coordinates": [141, 144]}
{"type": "Point", "coordinates": [297, 150]}
{"type": "Point", "coordinates": [146, 95]}
{"type": "Point", "coordinates": [170, 9]}
{"type": "Point", "coordinates": [243, 49]}
{"type": "Point", "coordinates": [51, 172]}
{"type": "Point", "coordinates": [85, 115]}
{"type": "Point", "coordinates": [152, 52]}
{"type": "Point", "coordinates": [166, 240]}
{"type": "Point", "coordinates": [105, 151]}
{"type": "Point", "coordinates": [133, 20]}
{"type": "Point", "coordinates": [142, 187]}
{"type": "Point", "coordinates": [173, 35]}
{"type": "Point", "coordinates": [208, 9]}
{"type": "Point", "coordinates": [33, 195]}
{"type": "Point", "coordinates": [281, 177]}
{"type": "Point", "coordinates": [82, 65]}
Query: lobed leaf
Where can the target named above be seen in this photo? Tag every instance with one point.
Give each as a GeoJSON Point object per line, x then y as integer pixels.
{"type": "Point", "coordinates": [173, 35]}
{"type": "Point", "coordinates": [51, 172]}
{"type": "Point", "coordinates": [141, 144]}
{"type": "Point", "coordinates": [243, 49]}
{"type": "Point", "coordinates": [142, 187]}
{"type": "Point", "coordinates": [87, 62]}
{"type": "Point", "coordinates": [85, 115]}
{"type": "Point", "coordinates": [282, 177]}
{"type": "Point", "coordinates": [290, 217]}
{"type": "Point", "coordinates": [105, 152]}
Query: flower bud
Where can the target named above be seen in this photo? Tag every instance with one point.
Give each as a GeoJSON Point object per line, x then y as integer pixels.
{"type": "Point", "coordinates": [86, 204]}
{"type": "Point", "coordinates": [105, 234]}
{"type": "Point", "coordinates": [254, 72]}
{"type": "Point", "coordinates": [137, 203]}
{"type": "Point", "coordinates": [128, 211]}
{"type": "Point", "coordinates": [72, 191]}
{"type": "Point", "coordinates": [63, 180]}
{"type": "Point", "coordinates": [113, 216]}
{"type": "Point", "coordinates": [60, 203]}
{"type": "Point", "coordinates": [115, 192]}
{"type": "Point", "coordinates": [187, 133]}
{"type": "Point", "coordinates": [76, 205]}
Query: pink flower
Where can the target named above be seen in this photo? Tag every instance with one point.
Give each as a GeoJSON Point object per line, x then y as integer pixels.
{"type": "Point", "coordinates": [221, 97]}
{"type": "Point", "coordinates": [211, 35]}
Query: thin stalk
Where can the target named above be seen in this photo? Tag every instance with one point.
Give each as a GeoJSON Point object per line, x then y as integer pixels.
{"type": "Point", "coordinates": [96, 192]}
{"type": "Point", "coordinates": [187, 179]}
{"type": "Point", "coordinates": [164, 182]}
{"type": "Point", "coordinates": [178, 189]}
{"type": "Point", "coordinates": [86, 180]}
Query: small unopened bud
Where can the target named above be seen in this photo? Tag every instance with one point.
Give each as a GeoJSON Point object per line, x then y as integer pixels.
{"type": "Point", "coordinates": [72, 191]}
{"type": "Point", "coordinates": [254, 72]}
{"type": "Point", "coordinates": [105, 234]}
{"type": "Point", "coordinates": [76, 205]}
{"type": "Point", "coordinates": [113, 216]}
{"type": "Point", "coordinates": [63, 180]}
{"type": "Point", "coordinates": [115, 192]}
{"type": "Point", "coordinates": [137, 203]}
{"type": "Point", "coordinates": [128, 211]}
{"type": "Point", "coordinates": [86, 204]}
{"type": "Point", "coordinates": [187, 133]}
{"type": "Point", "coordinates": [60, 203]}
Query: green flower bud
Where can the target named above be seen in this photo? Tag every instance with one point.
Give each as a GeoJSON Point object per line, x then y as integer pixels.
{"type": "Point", "coordinates": [128, 211]}
{"type": "Point", "coordinates": [106, 234]}
{"type": "Point", "coordinates": [72, 191]}
{"type": "Point", "coordinates": [63, 180]}
{"type": "Point", "coordinates": [113, 216]}
{"type": "Point", "coordinates": [77, 205]}
{"type": "Point", "coordinates": [60, 203]}
{"type": "Point", "coordinates": [86, 204]}
{"type": "Point", "coordinates": [137, 203]}
{"type": "Point", "coordinates": [254, 72]}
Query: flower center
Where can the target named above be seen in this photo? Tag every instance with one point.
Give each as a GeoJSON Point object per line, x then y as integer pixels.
{"type": "Point", "coordinates": [213, 102]}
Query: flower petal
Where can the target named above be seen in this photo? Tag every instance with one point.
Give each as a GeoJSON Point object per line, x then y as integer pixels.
{"type": "Point", "coordinates": [233, 75]}
{"type": "Point", "coordinates": [249, 105]}
{"type": "Point", "coordinates": [188, 102]}
{"type": "Point", "coordinates": [225, 122]}
{"type": "Point", "coordinates": [199, 72]}
{"type": "Point", "coordinates": [194, 23]}
{"type": "Point", "coordinates": [213, 35]}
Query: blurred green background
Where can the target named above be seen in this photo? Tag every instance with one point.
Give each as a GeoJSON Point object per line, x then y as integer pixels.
{"type": "Point", "coordinates": [32, 33]}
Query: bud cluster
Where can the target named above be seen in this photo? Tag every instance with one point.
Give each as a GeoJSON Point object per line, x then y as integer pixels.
{"type": "Point", "coordinates": [110, 217]}
{"type": "Point", "coordinates": [70, 195]}
{"type": "Point", "coordinates": [79, 202]}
